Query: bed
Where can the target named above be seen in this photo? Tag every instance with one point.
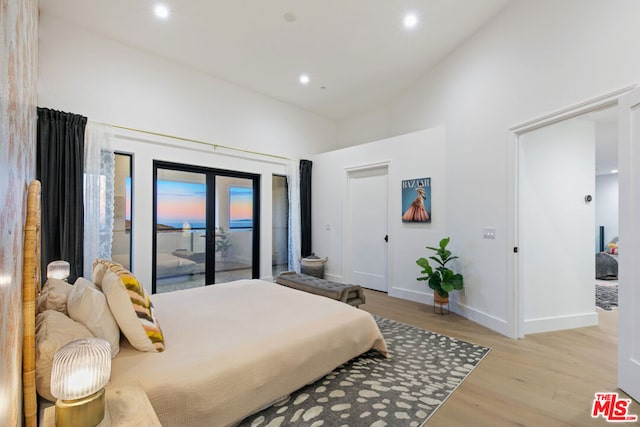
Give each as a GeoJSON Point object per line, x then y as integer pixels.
{"type": "Point", "coordinates": [607, 261]}
{"type": "Point", "coordinates": [230, 350]}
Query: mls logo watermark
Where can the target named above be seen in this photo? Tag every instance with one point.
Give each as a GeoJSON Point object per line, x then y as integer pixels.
{"type": "Point", "coordinates": [612, 408]}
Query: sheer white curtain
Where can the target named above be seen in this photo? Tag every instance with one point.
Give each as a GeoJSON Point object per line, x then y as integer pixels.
{"type": "Point", "coordinates": [99, 170]}
{"type": "Point", "coordinates": [293, 182]}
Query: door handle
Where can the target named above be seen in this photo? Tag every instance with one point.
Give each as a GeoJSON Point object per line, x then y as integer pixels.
{"type": "Point", "coordinates": [386, 238]}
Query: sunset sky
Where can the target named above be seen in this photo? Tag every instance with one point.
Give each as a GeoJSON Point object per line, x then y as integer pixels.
{"type": "Point", "coordinates": [181, 201]}
{"type": "Point", "coordinates": [241, 200]}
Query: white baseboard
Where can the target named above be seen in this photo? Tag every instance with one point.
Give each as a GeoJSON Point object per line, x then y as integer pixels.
{"type": "Point", "coordinates": [411, 295]}
{"type": "Point", "coordinates": [478, 316]}
{"type": "Point", "coordinates": [557, 323]}
{"type": "Point", "coordinates": [333, 277]}
{"type": "Point", "coordinates": [267, 278]}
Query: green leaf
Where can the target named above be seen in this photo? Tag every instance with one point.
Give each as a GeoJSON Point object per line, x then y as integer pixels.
{"type": "Point", "coordinates": [434, 282]}
{"type": "Point", "coordinates": [444, 242]}
{"type": "Point", "coordinates": [447, 286]}
{"type": "Point", "coordinates": [446, 274]}
{"type": "Point", "coordinates": [456, 281]}
{"type": "Point", "coordinates": [426, 268]}
{"type": "Point", "coordinates": [422, 262]}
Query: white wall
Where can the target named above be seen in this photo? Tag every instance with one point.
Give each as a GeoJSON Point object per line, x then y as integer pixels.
{"type": "Point", "coordinates": [415, 155]}
{"type": "Point", "coordinates": [536, 57]}
{"type": "Point", "coordinates": [606, 207]}
{"type": "Point", "coordinates": [112, 83]}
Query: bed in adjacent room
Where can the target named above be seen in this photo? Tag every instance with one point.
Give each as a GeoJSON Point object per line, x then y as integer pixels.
{"type": "Point", "coordinates": [204, 356]}
{"type": "Point", "coordinates": [607, 262]}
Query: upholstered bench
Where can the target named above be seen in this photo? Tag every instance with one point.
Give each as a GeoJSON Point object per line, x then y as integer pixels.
{"type": "Point", "coordinates": [350, 294]}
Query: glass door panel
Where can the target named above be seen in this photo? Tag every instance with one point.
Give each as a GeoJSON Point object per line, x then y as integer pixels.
{"type": "Point", "coordinates": [234, 233]}
{"type": "Point", "coordinates": [121, 237]}
{"type": "Point", "coordinates": [181, 230]}
{"type": "Point", "coordinates": [280, 226]}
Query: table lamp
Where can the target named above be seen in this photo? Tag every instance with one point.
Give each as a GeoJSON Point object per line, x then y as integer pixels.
{"type": "Point", "coordinates": [79, 372]}
{"type": "Point", "coordinates": [58, 270]}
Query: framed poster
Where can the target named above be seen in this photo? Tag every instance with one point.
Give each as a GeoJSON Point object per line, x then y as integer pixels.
{"type": "Point", "coordinates": [416, 200]}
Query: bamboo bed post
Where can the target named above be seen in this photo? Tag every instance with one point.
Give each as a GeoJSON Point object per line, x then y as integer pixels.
{"type": "Point", "coordinates": [30, 290]}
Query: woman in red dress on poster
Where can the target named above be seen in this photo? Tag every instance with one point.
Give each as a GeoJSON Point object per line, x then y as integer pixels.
{"type": "Point", "coordinates": [417, 212]}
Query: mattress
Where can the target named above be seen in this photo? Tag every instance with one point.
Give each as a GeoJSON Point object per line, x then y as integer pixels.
{"type": "Point", "coordinates": [235, 348]}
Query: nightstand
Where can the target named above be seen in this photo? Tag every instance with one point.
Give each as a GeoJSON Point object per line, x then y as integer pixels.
{"type": "Point", "coordinates": [126, 406]}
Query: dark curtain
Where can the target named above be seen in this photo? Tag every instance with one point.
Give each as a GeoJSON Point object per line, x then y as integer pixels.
{"type": "Point", "coordinates": [60, 168]}
{"type": "Point", "coordinates": [305, 207]}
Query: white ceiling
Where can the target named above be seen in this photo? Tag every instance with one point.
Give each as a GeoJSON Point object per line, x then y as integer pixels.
{"type": "Point", "coordinates": [356, 52]}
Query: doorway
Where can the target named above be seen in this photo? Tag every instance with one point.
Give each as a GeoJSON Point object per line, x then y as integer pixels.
{"type": "Point", "coordinates": [206, 226]}
{"type": "Point", "coordinates": [556, 187]}
{"type": "Point", "coordinates": [367, 227]}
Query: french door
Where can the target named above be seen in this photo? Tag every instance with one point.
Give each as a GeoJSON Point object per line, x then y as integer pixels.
{"type": "Point", "coordinates": [206, 226]}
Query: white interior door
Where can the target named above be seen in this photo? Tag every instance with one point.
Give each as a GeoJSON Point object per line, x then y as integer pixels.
{"type": "Point", "coordinates": [629, 240]}
{"type": "Point", "coordinates": [368, 225]}
{"type": "Point", "coordinates": [556, 171]}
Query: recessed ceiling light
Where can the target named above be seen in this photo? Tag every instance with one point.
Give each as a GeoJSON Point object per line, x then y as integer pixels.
{"type": "Point", "coordinates": [614, 170]}
{"type": "Point", "coordinates": [289, 17]}
{"type": "Point", "coordinates": [161, 11]}
{"type": "Point", "coordinates": [410, 20]}
{"type": "Point", "coordinates": [304, 79]}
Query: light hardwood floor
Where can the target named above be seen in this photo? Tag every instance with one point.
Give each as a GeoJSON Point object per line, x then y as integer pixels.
{"type": "Point", "coordinates": [547, 379]}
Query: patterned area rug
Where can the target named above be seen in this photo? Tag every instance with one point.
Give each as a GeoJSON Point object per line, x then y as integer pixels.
{"type": "Point", "coordinates": [607, 297]}
{"type": "Point", "coordinates": [405, 390]}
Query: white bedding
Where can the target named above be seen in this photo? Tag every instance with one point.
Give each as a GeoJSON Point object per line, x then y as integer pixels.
{"type": "Point", "coordinates": [234, 348]}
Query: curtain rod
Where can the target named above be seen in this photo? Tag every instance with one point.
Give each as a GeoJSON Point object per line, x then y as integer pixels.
{"type": "Point", "coordinates": [180, 138]}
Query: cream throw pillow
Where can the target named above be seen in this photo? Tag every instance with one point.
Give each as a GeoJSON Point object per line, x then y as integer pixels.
{"type": "Point", "coordinates": [53, 330]}
{"type": "Point", "coordinates": [132, 309]}
{"type": "Point", "coordinates": [88, 306]}
{"type": "Point", "coordinates": [54, 296]}
{"type": "Point", "coordinates": [100, 266]}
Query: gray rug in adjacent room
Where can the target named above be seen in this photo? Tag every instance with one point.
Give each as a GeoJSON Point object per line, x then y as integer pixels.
{"type": "Point", "coordinates": [607, 297]}
{"type": "Point", "coordinates": [405, 390]}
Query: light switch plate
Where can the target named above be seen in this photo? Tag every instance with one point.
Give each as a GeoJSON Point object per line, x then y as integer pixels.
{"type": "Point", "coordinates": [489, 233]}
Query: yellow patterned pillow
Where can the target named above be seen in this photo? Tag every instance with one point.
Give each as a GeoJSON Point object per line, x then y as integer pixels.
{"type": "Point", "coordinates": [132, 308]}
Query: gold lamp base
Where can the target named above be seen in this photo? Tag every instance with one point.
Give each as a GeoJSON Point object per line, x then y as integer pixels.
{"type": "Point", "coordinates": [85, 412]}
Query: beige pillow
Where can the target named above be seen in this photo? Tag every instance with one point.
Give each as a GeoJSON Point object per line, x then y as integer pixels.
{"type": "Point", "coordinates": [88, 306]}
{"type": "Point", "coordinates": [54, 296]}
{"type": "Point", "coordinates": [132, 309]}
{"type": "Point", "coordinates": [53, 330]}
{"type": "Point", "coordinates": [100, 266]}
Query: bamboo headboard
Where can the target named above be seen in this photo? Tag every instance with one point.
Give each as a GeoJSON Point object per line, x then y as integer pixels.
{"type": "Point", "coordinates": [30, 291]}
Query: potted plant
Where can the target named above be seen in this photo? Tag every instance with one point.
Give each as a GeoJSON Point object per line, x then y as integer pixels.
{"type": "Point", "coordinates": [441, 279]}
{"type": "Point", "coordinates": [223, 242]}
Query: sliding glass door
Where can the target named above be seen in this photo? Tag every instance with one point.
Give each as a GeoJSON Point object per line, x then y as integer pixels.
{"type": "Point", "coordinates": [235, 227]}
{"type": "Point", "coordinates": [206, 226]}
